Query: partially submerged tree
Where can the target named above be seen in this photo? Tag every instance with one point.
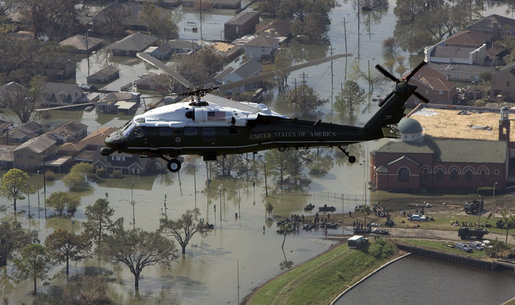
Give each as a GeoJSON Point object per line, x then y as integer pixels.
{"type": "Point", "coordinates": [137, 249]}
{"type": "Point", "coordinates": [350, 98]}
{"type": "Point", "coordinates": [99, 222]}
{"type": "Point", "coordinates": [302, 100]}
{"type": "Point", "coordinates": [76, 179]}
{"type": "Point", "coordinates": [64, 200]}
{"type": "Point", "coordinates": [33, 263]}
{"type": "Point", "coordinates": [184, 228]}
{"type": "Point", "coordinates": [13, 185]}
{"type": "Point", "coordinates": [63, 246]}
{"type": "Point", "coordinates": [13, 237]}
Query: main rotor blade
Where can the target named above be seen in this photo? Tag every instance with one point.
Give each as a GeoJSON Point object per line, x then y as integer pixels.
{"type": "Point", "coordinates": [387, 74]}
{"type": "Point", "coordinates": [280, 72]}
{"type": "Point", "coordinates": [90, 103]}
{"type": "Point", "coordinates": [420, 65]}
{"type": "Point", "coordinates": [157, 63]}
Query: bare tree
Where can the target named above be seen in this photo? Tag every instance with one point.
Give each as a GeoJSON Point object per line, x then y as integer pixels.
{"type": "Point", "coordinates": [184, 228]}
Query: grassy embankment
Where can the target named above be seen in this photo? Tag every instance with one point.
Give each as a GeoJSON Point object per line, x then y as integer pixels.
{"type": "Point", "coordinates": [320, 280]}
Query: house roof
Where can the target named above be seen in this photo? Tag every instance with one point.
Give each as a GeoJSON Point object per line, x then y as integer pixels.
{"type": "Point", "coordinates": [62, 90]}
{"type": "Point", "coordinates": [12, 90]}
{"type": "Point", "coordinates": [472, 39]}
{"type": "Point", "coordinates": [116, 96]}
{"type": "Point", "coordinates": [453, 52]}
{"type": "Point", "coordinates": [98, 136]}
{"type": "Point", "coordinates": [249, 68]}
{"type": "Point", "coordinates": [69, 128]}
{"type": "Point", "coordinates": [489, 23]}
{"type": "Point", "coordinates": [134, 42]}
{"type": "Point", "coordinates": [433, 79]}
{"type": "Point", "coordinates": [6, 153]}
{"type": "Point", "coordinates": [79, 42]}
{"type": "Point", "coordinates": [445, 69]}
{"type": "Point", "coordinates": [451, 150]}
{"type": "Point", "coordinates": [459, 122]}
{"type": "Point", "coordinates": [38, 144]}
{"type": "Point", "coordinates": [275, 28]}
{"type": "Point", "coordinates": [263, 41]}
{"type": "Point", "coordinates": [106, 72]}
{"type": "Point", "coordinates": [242, 18]}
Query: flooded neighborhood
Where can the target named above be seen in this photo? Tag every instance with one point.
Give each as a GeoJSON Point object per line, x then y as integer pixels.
{"type": "Point", "coordinates": [256, 202]}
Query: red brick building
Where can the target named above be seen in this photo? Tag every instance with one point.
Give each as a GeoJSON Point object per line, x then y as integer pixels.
{"type": "Point", "coordinates": [422, 162]}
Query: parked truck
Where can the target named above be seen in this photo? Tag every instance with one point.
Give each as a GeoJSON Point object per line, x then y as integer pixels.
{"type": "Point", "coordinates": [473, 207]}
{"type": "Point", "coordinates": [471, 233]}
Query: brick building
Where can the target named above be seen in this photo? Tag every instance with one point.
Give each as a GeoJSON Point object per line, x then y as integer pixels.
{"type": "Point", "coordinates": [446, 150]}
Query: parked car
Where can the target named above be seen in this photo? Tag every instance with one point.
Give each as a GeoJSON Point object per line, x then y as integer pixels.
{"type": "Point", "coordinates": [463, 247]}
{"type": "Point", "coordinates": [418, 217]}
{"type": "Point", "coordinates": [476, 245]}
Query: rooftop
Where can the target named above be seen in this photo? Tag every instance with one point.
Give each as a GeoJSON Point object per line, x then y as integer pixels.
{"type": "Point", "coordinates": [459, 122]}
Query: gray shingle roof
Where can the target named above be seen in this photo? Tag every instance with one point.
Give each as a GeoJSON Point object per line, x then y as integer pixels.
{"type": "Point", "coordinates": [134, 42]}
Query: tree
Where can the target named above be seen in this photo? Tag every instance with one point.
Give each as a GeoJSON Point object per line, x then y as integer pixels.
{"type": "Point", "coordinates": [76, 179]}
{"type": "Point", "coordinates": [184, 228]}
{"type": "Point", "coordinates": [13, 185]}
{"type": "Point", "coordinates": [64, 246]}
{"type": "Point", "coordinates": [302, 100]}
{"type": "Point", "coordinates": [308, 19]}
{"type": "Point", "coordinates": [200, 67]}
{"type": "Point", "coordinates": [159, 21]}
{"type": "Point", "coordinates": [21, 100]}
{"type": "Point", "coordinates": [508, 221]}
{"type": "Point", "coordinates": [137, 249]}
{"type": "Point", "coordinates": [56, 19]}
{"type": "Point", "coordinates": [288, 168]}
{"type": "Point", "coordinates": [33, 263]}
{"type": "Point", "coordinates": [64, 200]}
{"type": "Point", "coordinates": [13, 238]}
{"type": "Point", "coordinates": [99, 221]}
{"type": "Point", "coordinates": [350, 96]}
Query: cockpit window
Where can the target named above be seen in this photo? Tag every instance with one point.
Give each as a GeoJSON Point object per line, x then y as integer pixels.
{"type": "Point", "coordinates": [127, 129]}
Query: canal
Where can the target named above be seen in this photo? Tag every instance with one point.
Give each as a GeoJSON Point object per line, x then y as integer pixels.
{"type": "Point", "coordinates": [424, 281]}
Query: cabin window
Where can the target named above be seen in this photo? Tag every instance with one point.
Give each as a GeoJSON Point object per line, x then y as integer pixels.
{"type": "Point", "coordinates": [190, 131]}
{"type": "Point", "coordinates": [403, 175]}
{"type": "Point", "coordinates": [165, 131]}
{"type": "Point", "coordinates": [209, 134]}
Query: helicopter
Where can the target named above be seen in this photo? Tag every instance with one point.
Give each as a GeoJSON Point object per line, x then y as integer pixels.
{"type": "Point", "coordinates": [208, 125]}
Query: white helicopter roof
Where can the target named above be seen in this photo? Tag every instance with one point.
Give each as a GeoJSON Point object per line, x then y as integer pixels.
{"type": "Point", "coordinates": [218, 112]}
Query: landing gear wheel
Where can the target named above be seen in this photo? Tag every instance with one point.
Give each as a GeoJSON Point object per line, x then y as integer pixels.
{"type": "Point", "coordinates": [174, 165]}
{"type": "Point", "coordinates": [352, 159]}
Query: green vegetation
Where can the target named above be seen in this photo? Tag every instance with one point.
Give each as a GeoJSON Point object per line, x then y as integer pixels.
{"type": "Point", "coordinates": [332, 272]}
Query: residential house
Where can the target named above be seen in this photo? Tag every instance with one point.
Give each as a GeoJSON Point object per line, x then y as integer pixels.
{"type": "Point", "coordinates": [104, 75]}
{"type": "Point", "coordinates": [181, 46]}
{"type": "Point", "coordinates": [12, 92]}
{"type": "Point", "coordinates": [503, 83]}
{"type": "Point", "coordinates": [460, 72]}
{"type": "Point", "coordinates": [434, 86]}
{"type": "Point", "coordinates": [498, 26]}
{"type": "Point", "coordinates": [241, 24]}
{"type": "Point", "coordinates": [61, 94]}
{"type": "Point", "coordinates": [470, 39]}
{"type": "Point", "coordinates": [250, 68]}
{"type": "Point", "coordinates": [92, 142]}
{"type": "Point", "coordinates": [154, 82]}
{"type": "Point", "coordinates": [126, 164]}
{"type": "Point", "coordinates": [444, 54]}
{"type": "Point", "coordinates": [25, 132]}
{"type": "Point", "coordinates": [5, 127]}
{"type": "Point", "coordinates": [127, 12]}
{"type": "Point", "coordinates": [6, 156]}
{"type": "Point", "coordinates": [132, 44]}
{"type": "Point", "coordinates": [119, 102]}
{"type": "Point", "coordinates": [71, 131]}
{"type": "Point", "coordinates": [227, 4]}
{"type": "Point", "coordinates": [162, 52]}
{"type": "Point", "coordinates": [34, 152]}
{"type": "Point", "coordinates": [228, 51]}
{"type": "Point", "coordinates": [276, 28]}
{"type": "Point", "coordinates": [262, 48]}
{"type": "Point", "coordinates": [84, 44]}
